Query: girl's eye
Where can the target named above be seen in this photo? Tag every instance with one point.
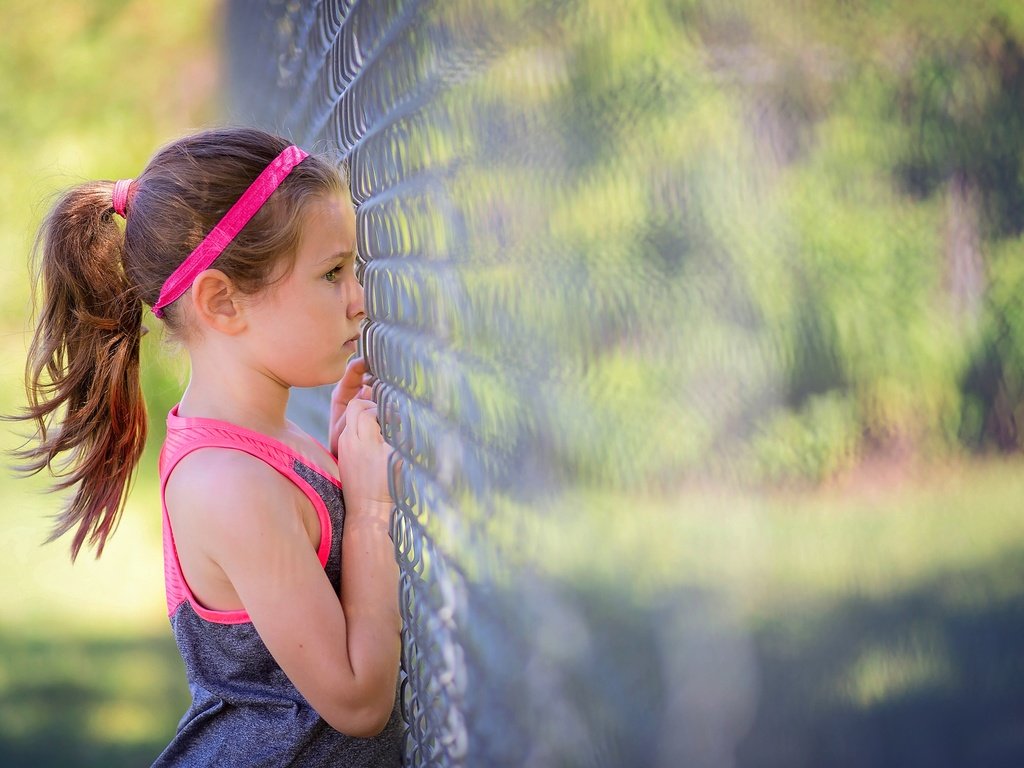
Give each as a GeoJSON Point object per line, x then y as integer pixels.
{"type": "Point", "coordinates": [331, 276]}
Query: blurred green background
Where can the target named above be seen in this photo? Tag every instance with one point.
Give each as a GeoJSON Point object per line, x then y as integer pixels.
{"type": "Point", "coordinates": [875, 545]}
{"type": "Point", "coordinates": [88, 670]}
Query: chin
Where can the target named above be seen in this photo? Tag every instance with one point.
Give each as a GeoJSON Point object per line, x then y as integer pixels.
{"type": "Point", "coordinates": [329, 373]}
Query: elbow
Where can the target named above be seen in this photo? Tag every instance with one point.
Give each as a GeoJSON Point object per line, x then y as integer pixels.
{"type": "Point", "coordinates": [364, 722]}
{"type": "Point", "coordinates": [361, 706]}
{"type": "Point", "coordinates": [365, 719]}
{"type": "Point", "coordinates": [373, 725]}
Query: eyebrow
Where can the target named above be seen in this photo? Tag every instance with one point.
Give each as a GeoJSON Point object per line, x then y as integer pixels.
{"type": "Point", "coordinates": [336, 256]}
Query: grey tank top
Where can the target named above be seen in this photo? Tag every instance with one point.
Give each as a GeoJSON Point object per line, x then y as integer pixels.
{"type": "Point", "coordinates": [245, 711]}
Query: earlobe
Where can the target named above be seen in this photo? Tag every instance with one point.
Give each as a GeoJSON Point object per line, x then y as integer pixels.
{"type": "Point", "coordinates": [215, 302]}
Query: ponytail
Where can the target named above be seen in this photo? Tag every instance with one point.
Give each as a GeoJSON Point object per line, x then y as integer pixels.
{"type": "Point", "coordinates": [82, 374]}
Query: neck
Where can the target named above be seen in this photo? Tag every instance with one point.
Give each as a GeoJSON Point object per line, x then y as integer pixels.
{"type": "Point", "coordinates": [220, 387]}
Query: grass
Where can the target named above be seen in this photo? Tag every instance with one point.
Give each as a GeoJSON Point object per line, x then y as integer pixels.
{"type": "Point", "coordinates": [99, 698]}
{"type": "Point", "coordinates": [873, 541]}
{"type": "Point", "coordinates": [876, 623]}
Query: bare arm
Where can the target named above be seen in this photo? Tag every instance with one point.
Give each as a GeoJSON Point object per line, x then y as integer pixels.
{"type": "Point", "coordinates": [241, 516]}
{"type": "Point", "coordinates": [369, 574]}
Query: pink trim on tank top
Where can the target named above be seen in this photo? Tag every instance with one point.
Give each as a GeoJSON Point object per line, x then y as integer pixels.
{"type": "Point", "coordinates": [176, 587]}
{"type": "Point", "coordinates": [203, 421]}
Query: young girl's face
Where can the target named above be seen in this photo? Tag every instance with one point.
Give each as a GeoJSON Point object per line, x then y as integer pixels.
{"type": "Point", "coordinates": [304, 328]}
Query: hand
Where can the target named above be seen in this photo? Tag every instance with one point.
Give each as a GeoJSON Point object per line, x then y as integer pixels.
{"type": "Point", "coordinates": [356, 376]}
{"type": "Point", "coordinates": [363, 455]}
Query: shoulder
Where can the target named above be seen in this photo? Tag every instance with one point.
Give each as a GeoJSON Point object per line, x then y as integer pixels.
{"type": "Point", "coordinates": [226, 486]}
{"type": "Point", "coordinates": [207, 470]}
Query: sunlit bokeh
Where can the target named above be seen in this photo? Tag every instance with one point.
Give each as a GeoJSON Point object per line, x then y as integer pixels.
{"type": "Point", "coordinates": [698, 327]}
{"type": "Point", "coordinates": [89, 674]}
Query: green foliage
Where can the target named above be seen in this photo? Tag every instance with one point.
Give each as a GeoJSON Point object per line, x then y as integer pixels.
{"type": "Point", "coordinates": [813, 443]}
{"type": "Point", "coordinates": [994, 382]}
{"type": "Point", "coordinates": [828, 259]}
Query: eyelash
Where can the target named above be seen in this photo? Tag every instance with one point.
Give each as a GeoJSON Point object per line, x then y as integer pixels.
{"type": "Point", "coordinates": [332, 274]}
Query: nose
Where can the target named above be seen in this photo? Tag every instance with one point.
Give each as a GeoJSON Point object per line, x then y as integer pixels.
{"type": "Point", "coordinates": [356, 304]}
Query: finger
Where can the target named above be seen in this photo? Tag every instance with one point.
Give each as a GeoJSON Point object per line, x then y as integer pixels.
{"type": "Point", "coordinates": [357, 367]}
{"type": "Point", "coordinates": [339, 396]}
{"type": "Point", "coordinates": [336, 429]}
{"type": "Point", "coordinates": [359, 403]}
{"type": "Point", "coordinates": [355, 373]}
{"type": "Point", "coordinates": [356, 406]}
{"type": "Point", "coordinates": [362, 414]}
{"type": "Point", "coordinates": [367, 425]}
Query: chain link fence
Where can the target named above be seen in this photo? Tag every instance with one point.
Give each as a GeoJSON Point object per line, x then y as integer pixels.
{"type": "Point", "coordinates": [642, 279]}
{"type": "Point", "coordinates": [518, 244]}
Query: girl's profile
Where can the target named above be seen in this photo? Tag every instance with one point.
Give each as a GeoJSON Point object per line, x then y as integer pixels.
{"type": "Point", "coordinates": [280, 575]}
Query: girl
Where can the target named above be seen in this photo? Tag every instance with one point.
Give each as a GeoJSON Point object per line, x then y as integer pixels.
{"type": "Point", "coordinates": [244, 247]}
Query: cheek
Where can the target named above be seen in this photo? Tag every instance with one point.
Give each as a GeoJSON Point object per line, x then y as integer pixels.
{"type": "Point", "coordinates": [287, 324]}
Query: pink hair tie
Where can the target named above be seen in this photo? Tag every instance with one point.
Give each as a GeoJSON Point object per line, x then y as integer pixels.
{"type": "Point", "coordinates": [119, 198]}
{"type": "Point", "coordinates": [225, 230]}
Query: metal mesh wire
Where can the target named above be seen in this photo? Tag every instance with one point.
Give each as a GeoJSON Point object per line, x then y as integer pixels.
{"type": "Point", "coordinates": [526, 334]}
{"type": "Point", "coordinates": [642, 275]}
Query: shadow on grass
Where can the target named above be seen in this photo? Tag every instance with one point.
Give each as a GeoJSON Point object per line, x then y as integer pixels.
{"type": "Point", "coordinates": [73, 701]}
{"type": "Point", "coordinates": [928, 676]}
{"type": "Point", "coordinates": [931, 677]}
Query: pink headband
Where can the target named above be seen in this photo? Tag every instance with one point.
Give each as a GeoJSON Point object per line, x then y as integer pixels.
{"type": "Point", "coordinates": [228, 227]}
{"type": "Point", "coordinates": [119, 198]}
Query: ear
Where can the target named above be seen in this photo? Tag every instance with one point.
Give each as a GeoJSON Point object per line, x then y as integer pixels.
{"type": "Point", "coordinates": [215, 302]}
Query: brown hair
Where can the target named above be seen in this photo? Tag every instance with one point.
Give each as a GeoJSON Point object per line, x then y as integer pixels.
{"type": "Point", "coordinates": [82, 374]}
